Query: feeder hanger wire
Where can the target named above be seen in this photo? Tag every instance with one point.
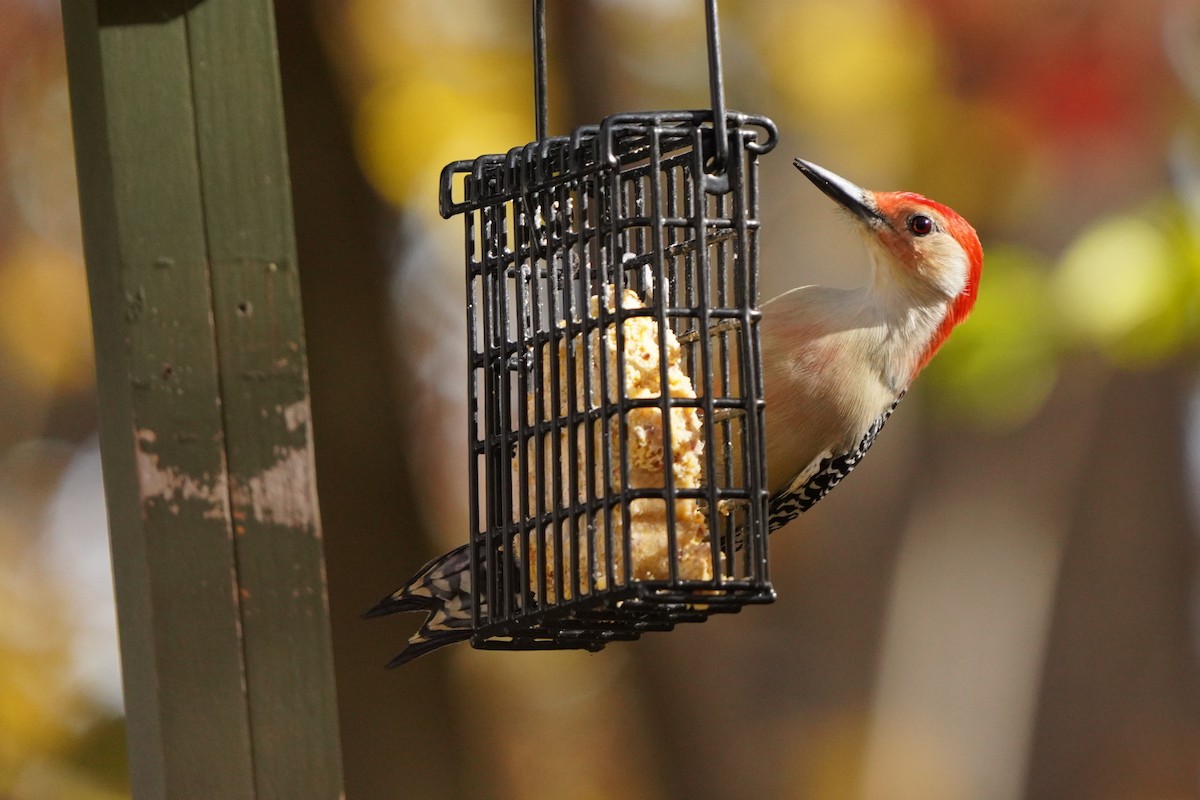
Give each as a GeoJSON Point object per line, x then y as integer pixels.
{"type": "Point", "coordinates": [716, 87]}
{"type": "Point", "coordinates": [716, 81]}
{"type": "Point", "coordinates": [539, 68]}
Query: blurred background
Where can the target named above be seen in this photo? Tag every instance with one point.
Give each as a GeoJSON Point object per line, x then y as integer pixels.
{"type": "Point", "coordinates": [1000, 603]}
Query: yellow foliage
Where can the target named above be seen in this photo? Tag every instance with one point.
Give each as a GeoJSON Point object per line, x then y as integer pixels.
{"type": "Point", "coordinates": [1123, 286]}
{"type": "Point", "coordinates": [36, 701]}
{"type": "Point", "coordinates": [407, 130]}
{"type": "Point", "coordinates": [857, 72]}
{"type": "Point", "coordinates": [45, 328]}
{"type": "Point", "coordinates": [435, 84]}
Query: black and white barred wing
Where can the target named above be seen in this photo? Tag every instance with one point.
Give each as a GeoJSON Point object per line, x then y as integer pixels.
{"type": "Point", "coordinates": [442, 588]}
{"type": "Point", "coordinates": [818, 478]}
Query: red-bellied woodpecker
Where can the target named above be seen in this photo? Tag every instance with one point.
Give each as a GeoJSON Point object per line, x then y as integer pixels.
{"type": "Point", "coordinates": [835, 364]}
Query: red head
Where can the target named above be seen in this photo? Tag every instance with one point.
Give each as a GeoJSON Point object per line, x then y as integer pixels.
{"type": "Point", "coordinates": [924, 250]}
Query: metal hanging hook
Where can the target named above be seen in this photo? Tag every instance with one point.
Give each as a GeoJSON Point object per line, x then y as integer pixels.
{"type": "Point", "coordinates": [716, 88]}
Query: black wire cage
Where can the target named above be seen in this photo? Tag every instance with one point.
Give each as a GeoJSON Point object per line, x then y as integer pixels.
{"type": "Point", "coordinates": [617, 468]}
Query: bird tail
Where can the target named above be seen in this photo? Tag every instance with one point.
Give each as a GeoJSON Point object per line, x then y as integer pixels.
{"type": "Point", "coordinates": [443, 589]}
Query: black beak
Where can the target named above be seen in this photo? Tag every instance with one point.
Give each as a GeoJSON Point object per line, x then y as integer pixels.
{"type": "Point", "coordinates": [851, 197]}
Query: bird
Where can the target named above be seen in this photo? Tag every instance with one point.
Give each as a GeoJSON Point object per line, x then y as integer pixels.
{"type": "Point", "coordinates": [836, 362]}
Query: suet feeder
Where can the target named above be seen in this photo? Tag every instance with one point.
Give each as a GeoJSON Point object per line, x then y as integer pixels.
{"type": "Point", "coordinates": [617, 462]}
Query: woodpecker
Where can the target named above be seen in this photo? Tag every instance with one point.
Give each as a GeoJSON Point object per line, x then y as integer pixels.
{"type": "Point", "coordinates": [836, 362]}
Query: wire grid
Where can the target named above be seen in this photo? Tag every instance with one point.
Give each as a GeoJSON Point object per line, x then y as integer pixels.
{"type": "Point", "coordinates": [555, 232]}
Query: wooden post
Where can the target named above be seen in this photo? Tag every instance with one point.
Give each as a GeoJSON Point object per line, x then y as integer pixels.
{"type": "Point", "coordinates": [204, 403]}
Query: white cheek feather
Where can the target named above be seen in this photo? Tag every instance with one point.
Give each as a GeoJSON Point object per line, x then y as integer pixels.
{"type": "Point", "coordinates": [913, 305]}
{"type": "Point", "coordinates": [946, 266]}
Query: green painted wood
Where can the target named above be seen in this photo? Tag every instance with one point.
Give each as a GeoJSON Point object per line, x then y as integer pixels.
{"type": "Point", "coordinates": [260, 336]}
{"type": "Point", "coordinates": [203, 399]}
{"type": "Point", "coordinates": [161, 429]}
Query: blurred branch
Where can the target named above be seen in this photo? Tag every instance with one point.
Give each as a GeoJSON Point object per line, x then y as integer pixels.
{"type": "Point", "coordinates": [398, 731]}
{"type": "Point", "coordinates": [584, 54]}
{"type": "Point", "coordinates": [1119, 711]}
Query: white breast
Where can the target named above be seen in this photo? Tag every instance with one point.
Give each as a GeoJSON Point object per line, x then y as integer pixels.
{"type": "Point", "coordinates": [822, 351]}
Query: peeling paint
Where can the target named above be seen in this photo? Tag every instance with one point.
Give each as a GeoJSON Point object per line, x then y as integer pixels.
{"type": "Point", "coordinates": [296, 415]}
{"type": "Point", "coordinates": [169, 486]}
{"type": "Point", "coordinates": [283, 494]}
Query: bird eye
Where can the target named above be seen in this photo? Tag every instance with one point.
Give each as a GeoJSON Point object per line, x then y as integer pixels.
{"type": "Point", "coordinates": [920, 225]}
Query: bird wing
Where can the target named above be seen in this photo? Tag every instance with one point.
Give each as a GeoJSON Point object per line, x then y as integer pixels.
{"type": "Point", "coordinates": [820, 476]}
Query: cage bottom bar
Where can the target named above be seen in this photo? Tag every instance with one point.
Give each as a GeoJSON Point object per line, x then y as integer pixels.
{"type": "Point", "coordinates": [622, 614]}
